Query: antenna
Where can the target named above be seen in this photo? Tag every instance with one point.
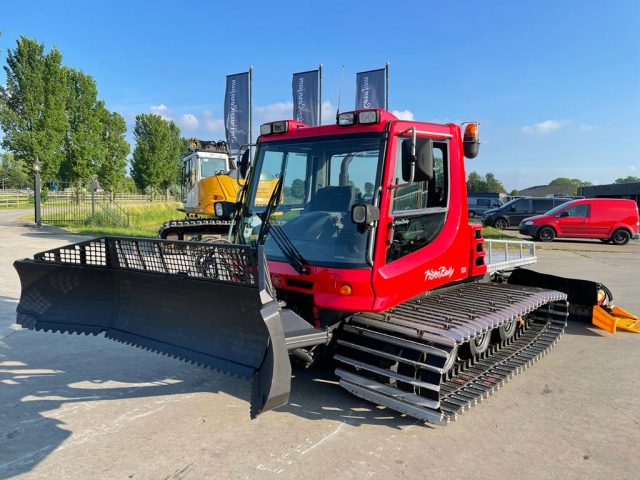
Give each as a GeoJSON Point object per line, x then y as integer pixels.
{"type": "Point", "coordinates": [340, 94]}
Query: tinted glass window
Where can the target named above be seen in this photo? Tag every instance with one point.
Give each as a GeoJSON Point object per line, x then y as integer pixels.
{"type": "Point", "coordinates": [420, 195]}
{"type": "Point", "coordinates": [484, 202]}
{"type": "Point", "coordinates": [519, 206]}
{"type": "Point", "coordinates": [418, 209]}
{"type": "Point", "coordinates": [542, 205]}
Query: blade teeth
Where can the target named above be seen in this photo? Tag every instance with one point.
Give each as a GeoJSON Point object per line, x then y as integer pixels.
{"type": "Point", "coordinates": [224, 370]}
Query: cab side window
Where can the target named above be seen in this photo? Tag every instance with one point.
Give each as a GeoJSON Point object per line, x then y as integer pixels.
{"type": "Point", "coordinates": [577, 211]}
{"type": "Point", "coordinates": [521, 206]}
{"type": "Point", "coordinates": [542, 205]}
{"type": "Point", "coordinates": [419, 209]}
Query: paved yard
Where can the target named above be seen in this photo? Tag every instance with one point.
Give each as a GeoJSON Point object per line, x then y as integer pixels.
{"type": "Point", "coordinates": [84, 407]}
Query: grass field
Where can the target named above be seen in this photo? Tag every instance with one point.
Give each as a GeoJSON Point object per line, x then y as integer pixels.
{"type": "Point", "coordinates": [148, 219]}
{"type": "Point", "coordinates": [495, 234]}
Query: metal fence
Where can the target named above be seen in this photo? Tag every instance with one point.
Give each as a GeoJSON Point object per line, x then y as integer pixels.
{"type": "Point", "coordinates": [80, 203]}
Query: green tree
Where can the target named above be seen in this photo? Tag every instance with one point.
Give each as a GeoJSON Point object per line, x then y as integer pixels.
{"type": "Point", "coordinates": [368, 188]}
{"type": "Point", "coordinates": [83, 146]}
{"type": "Point", "coordinates": [113, 162]}
{"type": "Point", "coordinates": [493, 184]}
{"type": "Point", "coordinates": [297, 188]}
{"type": "Point", "coordinates": [128, 185]}
{"type": "Point", "coordinates": [475, 183]}
{"type": "Point", "coordinates": [32, 105]}
{"type": "Point", "coordinates": [514, 193]}
{"type": "Point", "coordinates": [489, 184]}
{"type": "Point", "coordinates": [12, 172]}
{"type": "Point", "coordinates": [629, 179]}
{"type": "Point", "coordinates": [574, 182]}
{"type": "Point", "coordinates": [157, 153]}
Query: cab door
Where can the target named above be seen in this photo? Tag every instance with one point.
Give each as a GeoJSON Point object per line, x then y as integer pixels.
{"type": "Point", "coordinates": [519, 211]}
{"type": "Point", "coordinates": [573, 221]}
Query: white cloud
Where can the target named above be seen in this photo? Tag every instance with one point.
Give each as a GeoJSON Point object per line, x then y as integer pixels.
{"type": "Point", "coordinates": [403, 114]}
{"type": "Point", "coordinates": [441, 121]}
{"type": "Point", "coordinates": [273, 112]}
{"type": "Point", "coordinates": [587, 128]}
{"type": "Point", "coordinates": [632, 168]}
{"type": "Point", "coordinates": [212, 124]}
{"type": "Point", "coordinates": [328, 113]}
{"type": "Point", "coordinates": [545, 127]}
{"type": "Point", "coordinates": [161, 110]}
{"type": "Point", "coordinates": [188, 121]}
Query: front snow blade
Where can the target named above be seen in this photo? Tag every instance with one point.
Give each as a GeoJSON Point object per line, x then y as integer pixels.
{"type": "Point", "coordinates": [204, 303]}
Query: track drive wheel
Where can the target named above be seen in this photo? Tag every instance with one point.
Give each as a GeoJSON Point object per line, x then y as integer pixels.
{"type": "Point", "coordinates": [620, 237]}
{"type": "Point", "coordinates": [476, 346]}
{"type": "Point", "coordinates": [506, 331]}
{"type": "Point", "coordinates": [546, 234]}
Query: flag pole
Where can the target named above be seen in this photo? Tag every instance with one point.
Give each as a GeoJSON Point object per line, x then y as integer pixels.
{"type": "Point", "coordinates": [320, 95]}
{"type": "Point", "coordinates": [250, 104]}
{"type": "Point", "coordinates": [386, 95]}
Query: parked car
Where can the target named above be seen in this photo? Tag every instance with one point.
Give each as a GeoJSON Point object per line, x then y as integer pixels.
{"type": "Point", "coordinates": [479, 205]}
{"type": "Point", "coordinates": [513, 212]}
{"type": "Point", "coordinates": [609, 219]}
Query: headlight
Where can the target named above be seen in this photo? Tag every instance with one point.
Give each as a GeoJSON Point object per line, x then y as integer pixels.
{"type": "Point", "coordinates": [219, 210]}
{"type": "Point", "coordinates": [528, 223]}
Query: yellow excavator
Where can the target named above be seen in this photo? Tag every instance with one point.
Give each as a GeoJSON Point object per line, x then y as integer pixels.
{"type": "Point", "coordinates": [209, 175]}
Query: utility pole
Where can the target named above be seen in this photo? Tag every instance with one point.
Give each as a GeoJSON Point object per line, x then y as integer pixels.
{"type": "Point", "coordinates": [36, 200]}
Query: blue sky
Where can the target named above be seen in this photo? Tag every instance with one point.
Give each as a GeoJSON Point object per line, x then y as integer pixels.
{"type": "Point", "coordinates": [555, 84]}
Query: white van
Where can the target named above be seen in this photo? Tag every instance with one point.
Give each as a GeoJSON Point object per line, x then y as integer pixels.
{"type": "Point", "coordinates": [479, 205]}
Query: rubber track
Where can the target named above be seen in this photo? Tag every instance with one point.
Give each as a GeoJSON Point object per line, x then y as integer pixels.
{"type": "Point", "coordinates": [369, 343]}
{"type": "Point", "coordinates": [194, 227]}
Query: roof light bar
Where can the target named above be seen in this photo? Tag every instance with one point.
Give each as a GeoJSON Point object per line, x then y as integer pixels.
{"type": "Point", "coordinates": [348, 118]}
{"type": "Point", "coordinates": [280, 127]}
{"type": "Point", "coordinates": [265, 129]}
{"type": "Point", "coordinates": [369, 116]}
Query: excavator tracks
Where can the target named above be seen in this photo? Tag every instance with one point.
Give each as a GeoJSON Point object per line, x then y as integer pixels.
{"type": "Point", "coordinates": [193, 228]}
{"type": "Point", "coordinates": [430, 357]}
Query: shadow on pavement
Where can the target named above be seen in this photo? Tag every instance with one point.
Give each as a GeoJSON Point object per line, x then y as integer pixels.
{"type": "Point", "coordinates": [42, 382]}
{"type": "Point", "coordinates": [584, 329]}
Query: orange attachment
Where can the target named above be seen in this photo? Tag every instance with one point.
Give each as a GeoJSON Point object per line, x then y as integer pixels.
{"type": "Point", "coordinates": [345, 289]}
{"type": "Point", "coordinates": [614, 319]}
{"type": "Point", "coordinates": [471, 133]}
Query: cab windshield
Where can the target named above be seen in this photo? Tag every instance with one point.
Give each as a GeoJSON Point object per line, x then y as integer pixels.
{"type": "Point", "coordinates": [555, 210]}
{"type": "Point", "coordinates": [322, 177]}
{"type": "Point", "coordinates": [212, 166]}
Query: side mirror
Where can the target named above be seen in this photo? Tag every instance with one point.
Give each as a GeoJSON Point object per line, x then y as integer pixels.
{"type": "Point", "coordinates": [423, 159]}
{"type": "Point", "coordinates": [364, 214]}
{"type": "Point", "coordinates": [243, 165]}
{"type": "Point", "coordinates": [225, 209]}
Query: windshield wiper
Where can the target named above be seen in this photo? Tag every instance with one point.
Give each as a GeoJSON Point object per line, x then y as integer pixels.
{"type": "Point", "coordinates": [271, 204]}
{"type": "Point", "coordinates": [291, 253]}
